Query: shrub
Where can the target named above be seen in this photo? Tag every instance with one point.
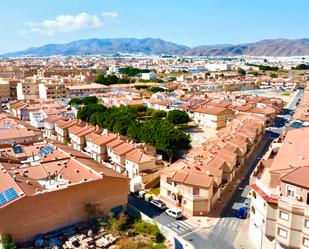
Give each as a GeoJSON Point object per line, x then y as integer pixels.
{"type": "Point", "coordinates": [144, 227]}
{"type": "Point", "coordinates": [7, 242]}
{"type": "Point", "coordinates": [159, 237]}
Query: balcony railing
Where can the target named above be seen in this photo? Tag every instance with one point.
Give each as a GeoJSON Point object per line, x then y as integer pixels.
{"type": "Point", "coordinates": [168, 187]}
{"type": "Point", "coordinates": [191, 196]}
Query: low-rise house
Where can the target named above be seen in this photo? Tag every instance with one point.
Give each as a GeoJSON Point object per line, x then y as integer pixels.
{"type": "Point", "coordinates": [49, 126]}
{"type": "Point", "coordinates": [218, 161]}
{"type": "Point", "coordinates": [118, 153]}
{"type": "Point", "coordinates": [96, 145]}
{"type": "Point", "coordinates": [77, 134]}
{"type": "Point", "coordinates": [187, 188]}
{"type": "Point", "coordinates": [212, 117]}
{"type": "Point", "coordinates": [61, 129]}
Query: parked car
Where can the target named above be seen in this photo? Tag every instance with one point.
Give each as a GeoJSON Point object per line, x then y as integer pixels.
{"type": "Point", "coordinates": [246, 203]}
{"type": "Point", "coordinates": [174, 212]}
{"type": "Point", "coordinates": [148, 197]}
{"type": "Point", "coordinates": [159, 204]}
{"type": "Point", "coordinates": [242, 213]}
{"type": "Point", "coordinates": [142, 193]}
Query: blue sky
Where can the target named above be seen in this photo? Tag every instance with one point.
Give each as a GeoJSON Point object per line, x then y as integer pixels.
{"type": "Point", "coordinates": [26, 23]}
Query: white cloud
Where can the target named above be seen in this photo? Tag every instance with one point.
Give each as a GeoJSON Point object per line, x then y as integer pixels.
{"type": "Point", "coordinates": [63, 24]}
{"type": "Point", "coordinates": [112, 16]}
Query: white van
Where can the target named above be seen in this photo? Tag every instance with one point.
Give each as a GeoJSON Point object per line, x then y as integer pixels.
{"type": "Point", "coordinates": [174, 212]}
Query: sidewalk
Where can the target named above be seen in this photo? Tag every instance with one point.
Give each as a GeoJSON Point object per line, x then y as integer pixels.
{"type": "Point", "coordinates": [243, 241]}
{"type": "Point", "coordinates": [202, 221]}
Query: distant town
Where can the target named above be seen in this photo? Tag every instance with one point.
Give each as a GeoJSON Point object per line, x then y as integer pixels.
{"type": "Point", "coordinates": [154, 151]}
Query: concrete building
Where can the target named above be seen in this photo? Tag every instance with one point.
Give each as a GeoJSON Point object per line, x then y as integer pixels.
{"type": "Point", "coordinates": [52, 91]}
{"type": "Point", "coordinates": [218, 67]}
{"type": "Point", "coordinates": [279, 214]}
{"type": "Point", "coordinates": [212, 117]}
{"type": "Point", "coordinates": [52, 188]}
{"type": "Point", "coordinates": [149, 76]}
{"type": "Point", "coordinates": [27, 90]}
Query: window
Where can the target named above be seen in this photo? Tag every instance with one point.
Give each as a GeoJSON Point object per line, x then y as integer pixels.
{"type": "Point", "coordinates": [253, 209]}
{"type": "Point", "coordinates": [168, 193]}
{"type": "Point", "coordinates": [196, 191]}
{"type": "Point", "coordinates": [254, 194]}
{"type": "Point", "coordinates": [284, 215]}
{"type": "Point", "coordinates": [169, 180]}
{"type": "Point", "coordinates": [184, 202]}
{"type": "Point", "coordinates": [307, 223]}
{"type": "Point", "coordinates": [306, 242]}
{"type": "Point", "coordinates": [290, 191]}
{"type": "Point", "coordinates": [282, 232]}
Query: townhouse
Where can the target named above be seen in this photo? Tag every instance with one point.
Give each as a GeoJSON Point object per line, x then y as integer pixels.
{"type": "Point", "coordinates": [195, 184]}
{"type": "Point", "coordinates": [77, 134]}
{"type": "Point", "coordinates": [96, 145]}
{"type": "Point", "coordinates": [212, 117]}
{"type": "Point", "coordinates": [61, 127]}
{"type": "Point", "coordinates": [137, 161]}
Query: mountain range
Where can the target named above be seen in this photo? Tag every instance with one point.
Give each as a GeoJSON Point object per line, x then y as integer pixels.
{"type": "Point", "coordinates": [270, 47]}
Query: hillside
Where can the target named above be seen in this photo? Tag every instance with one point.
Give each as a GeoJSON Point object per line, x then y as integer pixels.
{"type": "Point", "coordinates": [271, 47]}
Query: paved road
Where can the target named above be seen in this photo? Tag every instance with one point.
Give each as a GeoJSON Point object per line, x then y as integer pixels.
{"type": "Point", "coordinates": [223, 233]}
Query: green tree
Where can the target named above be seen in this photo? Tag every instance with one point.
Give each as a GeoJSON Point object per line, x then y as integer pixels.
{"type": "Point", "coordinates": [158, 114]}
{"type": "Point", "coordinates": [241, 71]}
{"type": "Point", "coordinates": [177, 117]}
{"type": "Point", "coordinates": [133, 130]}
{"type": "Point", "coordinates": [86, 112]}
{"type": "Point", "coordinates": [171, 140]}
{"type": "Point", "coordinates": [156, 89]}
{"type": "Point", "coordinates": [75, 101]}
{"type": "Point", "coordinates": [90, 100]}
{"type": "Point", "coordinates": [131, 71]}
{"type": "Point", "coordinates": [107, 80]}
{"type": "Point", "coordinates": [274, 75]}
{"type": "Point", "coordinates": [92, 210]}
{"type": "Point", "coordinates": [140, 87]}
{"type": "Point", "coordinates": [302, 67]}
{"type": "Point", "coordinates": [255, 73]}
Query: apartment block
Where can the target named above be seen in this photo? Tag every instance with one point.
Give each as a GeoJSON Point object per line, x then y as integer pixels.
{"type": "Point", "coordinates": [279, 212]}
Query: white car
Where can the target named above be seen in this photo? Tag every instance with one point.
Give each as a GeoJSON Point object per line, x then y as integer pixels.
{"type": "Point", "coordinates": [159, 204]}
{"type": "Point", "coordinates": [174, 212]}
{"type": "Point", "coordinates": [142, 193]}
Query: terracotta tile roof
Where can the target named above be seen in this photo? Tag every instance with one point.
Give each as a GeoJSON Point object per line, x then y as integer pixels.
{"type": "Point", "coordinates": [264, 195]}
{"type": "Point", "coordinates": [123, 149]}
{"type": "Point", "coordinates": [101, 139]}
{"type": "Point", "coordinates": [139, 156]}
{"type": "Point", "coordinates": [193, 177]}
{"type": "Point", "coordinates": [298, 177]}
{"type": "Point", "coordinates": [212, 110]}
{"type": "Point", "coordinates": [115, 143]}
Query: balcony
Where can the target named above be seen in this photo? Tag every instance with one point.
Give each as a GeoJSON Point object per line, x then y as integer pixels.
{"type": "Point", "coordinates": [192, 197]}
{"type": "Point", "coordinates": [169, 187]}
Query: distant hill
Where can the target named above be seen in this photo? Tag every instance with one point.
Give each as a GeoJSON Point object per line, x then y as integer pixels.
{"type": "Point", "coordinates": [104, 46]}
{"type": "Point", "coordinates": [272, 47]}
